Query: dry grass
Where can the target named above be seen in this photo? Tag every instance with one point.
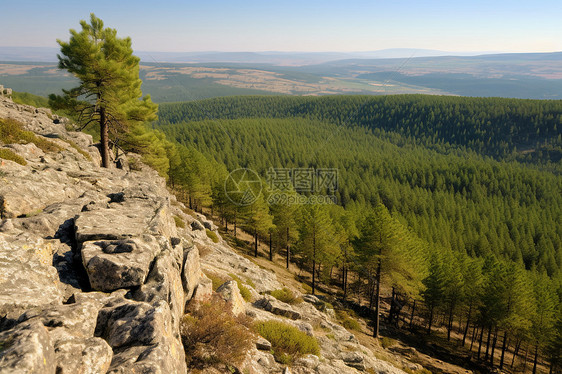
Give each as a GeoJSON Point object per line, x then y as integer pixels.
{"type": "Point", "coordinates": [213, 337]}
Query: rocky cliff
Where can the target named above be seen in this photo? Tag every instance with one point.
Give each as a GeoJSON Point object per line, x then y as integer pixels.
{"type": "Point", "coordinates": [96, 272]}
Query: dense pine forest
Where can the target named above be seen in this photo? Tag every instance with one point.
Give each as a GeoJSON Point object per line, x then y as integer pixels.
{"type": "Point", "coordinates": [452, 203]}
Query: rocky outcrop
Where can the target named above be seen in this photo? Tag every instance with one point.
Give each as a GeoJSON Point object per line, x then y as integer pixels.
{"type": "Point", "coordinates": [94, 276]}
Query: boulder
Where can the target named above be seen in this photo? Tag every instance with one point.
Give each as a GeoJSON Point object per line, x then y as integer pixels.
{"type": "Point", "coordinates": [275, 306]}
{"type": "Point", "coordinates": [84, 356]}
{"type": "Point", "coordinates": [119, 263]}
{"type": "Point", "coordinates": [26, 280]}
{"type": "Point", "coordinates": [142, 337]}
{"type": "Point", "coordinates": [231, 294]}
{"type": "Point", "coordinates": [164, 284]}
{"type": "Point", "coordinates": [79, 318]}
{"type": "Point", "coordinates": [27, 348]}
{"type": "Point", "coordinates": [191, 272]}
{"type": "Point", "coordinates": [263, 344]}
{"type": "Point", "coordinates": [197, 226]}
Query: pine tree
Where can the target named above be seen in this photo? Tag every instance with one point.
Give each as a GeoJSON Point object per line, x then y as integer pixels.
{"type": "Point", "coordinates": [110, 87]}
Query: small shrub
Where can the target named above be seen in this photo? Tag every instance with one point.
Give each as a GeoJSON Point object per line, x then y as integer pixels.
{"type": "Point", "coordinates": [287, 341]}
{"type": "Point", "coordinates": [212, 235]}
{"type": "Point", "coordinates": [11, 132]}
{"type": "Point", "coordinates": [347, 321]}
{"type": "Point", "coordinates": [307, 288]}
{"type": "Point", "coordinates": [6, 154]}
{"type": "Point", "coordinates": [244, 291]}
{"type": "Point", "coordinates": [212, 336]}
{"type": "Point", "coordinates": [286, 295]}
{"type": "Point", "coordinates": [179, 222]}
{"type": "Point", "coordinates": [387, 342]}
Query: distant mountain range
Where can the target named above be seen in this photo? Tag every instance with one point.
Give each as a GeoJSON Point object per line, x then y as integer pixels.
{"type": "Point", "coordinates": [49, 54]}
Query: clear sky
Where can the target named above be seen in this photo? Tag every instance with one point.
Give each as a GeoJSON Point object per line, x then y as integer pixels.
{"type": "Point", "coordinates": [296, 25]}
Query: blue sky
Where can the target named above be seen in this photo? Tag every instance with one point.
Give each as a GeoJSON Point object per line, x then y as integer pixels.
{"type": "Point", "coordinates": [250, 25]}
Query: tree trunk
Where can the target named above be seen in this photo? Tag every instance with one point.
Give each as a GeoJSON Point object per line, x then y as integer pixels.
{"type": "Point", "coordinates": [377, 301]}
{"type": "Point", "coordinates": [344, 282]}
{"type": "Point", "coordinates": [412, 316]}
{"type": "Point", "coordinates": [474, 336]}
{"type": "Point", "coordinates": [488, 340]}
{"type": "Point", "coordinates": [235, 225]}
{"type": "Point", "coordinates": [288, 249]}
{"type": "Point", "coordinates": [313, 263]}
{"type": "Point", "coordinates": [270, 248]}
{"type": "Point", "coordinates": [467, 324]}
{"type": "Point", "coordinates": [504, 346]}
{"type": "Point", "coordinates": [517, 346]}
{"type": "Point", "coordinates": [255, 243]}
{"type": "Point", "coordinates": [480, 342]}
{"type": "Point", "coordinates": [430, 320]}
{"type": "Point", "coordinates": [493, 347]}
{"type": "Point", "coordinates": [450, 322]}
{"type": "Point", "coordinates": [104, 139]}
{"type": "Point", "coordinates": [372, 287]}
{"type": "Point", "coordinates": [536, 359]}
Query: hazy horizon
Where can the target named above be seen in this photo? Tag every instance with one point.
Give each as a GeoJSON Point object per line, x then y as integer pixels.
{"type": "Point", "coordinates": [315, 26]}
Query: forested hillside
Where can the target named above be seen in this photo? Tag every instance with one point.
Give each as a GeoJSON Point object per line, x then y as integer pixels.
{"type": "Point", "coordinates": [507, 129]}
{"type": "Point", "coordinates": [433, 200]}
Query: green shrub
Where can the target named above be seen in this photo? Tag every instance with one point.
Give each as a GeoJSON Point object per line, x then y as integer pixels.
{"type": "Point", "coordinates": [286, 295]}
{"type": "Point", "coordinates": [287, 341]}
{"type": "Point", "coordinates": [179, 222]}
{"type": "Point", "coordinates": [212, 235]}
{"type": "Point", "coordinates": [212, 336]}
{"type": "Point", "coordinates": [347, 321]}
{"type": "Point", "coordinates": [27, 98]}
{"type": "Point", "coordinates": [244, 291]}
{"type": "Point", "coordinates": [387, 342]}
{"type": "Point", "coordinates": [6, 154]}
{"type": "Point", "coordinates": [11, 132]}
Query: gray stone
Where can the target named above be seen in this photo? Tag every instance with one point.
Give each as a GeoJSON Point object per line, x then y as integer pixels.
{"type": "Point", "coordinates": [280, 308]}
{"type": "Point", "coordinates": [119, 264]}
{"type": "Point", "coordinates": [164, 284]}
{"type": "Point", "coordinates": [196, 225]}
{"type": "Point", "coordinates": [203, 292]}
{"type": "Point", "coordinates": [84, 356]}
{"type": "Point", "coordinates": [27, 348]}
{"type": "Point", "coordinates": [191, 272]}
{"type": "Point", "coordinates": [231, 294]}
{"type": "Point", "coordinates": [263, 344]}
{"type": "Point", "coordinates": [27, 279]}
{"type": "Point", "coordinates": [142, 337]}
{"type": "Point", "coordinates": [79, 318]}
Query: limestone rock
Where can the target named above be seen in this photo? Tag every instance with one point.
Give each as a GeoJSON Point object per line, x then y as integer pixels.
{"type": "Point", "coordinates": [120, 263]}
{"type": "Point", "coordinates": [164, 284]}
{"type": "Point", "coordinates": [275, 306]}
{"type": "Point", "coordinates": [263, 344]}
{"type": "Point", "coordinates": [79, 318]}
{"type": "Point", "coordinates": [27, 348]}
{"type": "Point", "coordinates": [231, 294]}
{"type": "Point", "coordinates": [142, 338]}
{"type": "Point", "coordinates": [26, 281]}
{"type": "Point", "coordinates": [203, 292]}
{"type": "Point", "coordinates": [191, 272]}
{"type": "Point", "coordinates": [84, 356]}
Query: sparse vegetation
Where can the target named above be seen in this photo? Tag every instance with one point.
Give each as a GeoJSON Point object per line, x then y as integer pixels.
{"type": "Point", "coordinates": [179, 222]}
{"type": "Point", "coordinates": [346, 320]}
{"type": "Point", "coordinates": [244, 291]}
{"type": "Point", "coordinates": [212, 336]}
{"type": "Point", "coordinates": [387, 342]}
{"type": "Point", "coordinates": [286, 295]}
{"type": "Point", "coordinates": [6, 154]}
{"type": "Point", "coordinates": [86, 155]}
{"type": "Point", "coordinates": [27, 98]}
{"type": "Point", "coordinates": [287, 341]}
{"type": "Point", "coordinates": [217, 280]}
{"type": "Point", "coordinates": [212, 235]}
{"type": "Point", "coordinates": [11, 132]}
